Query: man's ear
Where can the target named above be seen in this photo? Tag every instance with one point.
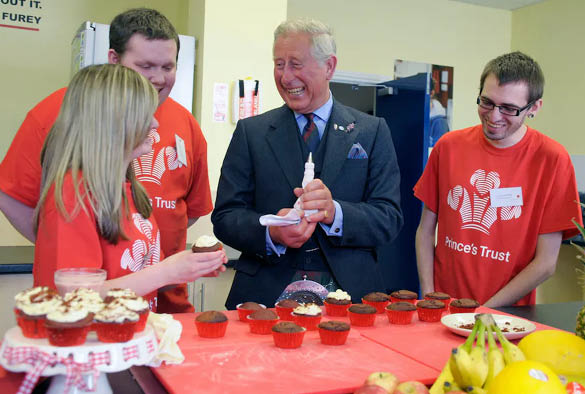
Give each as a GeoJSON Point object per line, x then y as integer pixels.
{"type": "Point", "coordinates": [535, 108]}
{"type": "Point", "coordinates": [331, 63]}
{"type": "Point", "coordinates": [113, 57]}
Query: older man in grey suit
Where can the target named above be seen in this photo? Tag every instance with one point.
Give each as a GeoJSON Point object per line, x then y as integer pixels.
{"type": "Point", "coordinates": [355, 191]}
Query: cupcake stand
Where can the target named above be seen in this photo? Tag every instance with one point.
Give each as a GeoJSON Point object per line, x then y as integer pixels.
{"type": "Point", "coordinates": [76, 369]}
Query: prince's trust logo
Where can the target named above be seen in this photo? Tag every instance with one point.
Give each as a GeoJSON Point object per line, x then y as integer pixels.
{"type": "Point", "coordinates": [151, 166]}
{"type": "Point", "coordinates": [474, 205]}
{"type": "Point", "coordinates": [143, 253]}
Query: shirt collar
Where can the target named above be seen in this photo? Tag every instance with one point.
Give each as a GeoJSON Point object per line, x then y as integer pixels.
{"type": "Point", "coordinates": [323, 112]}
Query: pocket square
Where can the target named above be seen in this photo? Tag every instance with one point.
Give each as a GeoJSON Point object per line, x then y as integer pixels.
{"type": "Point", "coordinates": [357, 152]}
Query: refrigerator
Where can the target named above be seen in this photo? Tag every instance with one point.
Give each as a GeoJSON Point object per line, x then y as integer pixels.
{"type": "Point", "coordinates": [91, 43]}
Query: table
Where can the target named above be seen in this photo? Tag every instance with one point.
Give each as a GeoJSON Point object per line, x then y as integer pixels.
{"type": "Point", "coordinates": [142, 379]}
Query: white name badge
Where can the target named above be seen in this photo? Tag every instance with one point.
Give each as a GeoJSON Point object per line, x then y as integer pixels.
{"type": "Point", "coordinates": [506, 197]}
{"type": "Point", "coordinates": [181, 153]}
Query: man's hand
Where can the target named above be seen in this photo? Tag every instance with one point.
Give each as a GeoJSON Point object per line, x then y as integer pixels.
{"type": "Point", "coordinates": [317, 196]}
{"type": "Point", "coordinates": [293, 236]}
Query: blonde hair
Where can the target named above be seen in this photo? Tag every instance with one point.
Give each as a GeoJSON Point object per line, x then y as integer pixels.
{"type": "Point", "coordinates": [105, 115]}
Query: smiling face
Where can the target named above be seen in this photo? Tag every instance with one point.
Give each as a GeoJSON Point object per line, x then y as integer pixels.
{"type": "Point", "coordinates": [504, 130]}
{"type": "Point", "coordinates": [155, 59]}
{"type": "Point", "coordinates": [301, 80]}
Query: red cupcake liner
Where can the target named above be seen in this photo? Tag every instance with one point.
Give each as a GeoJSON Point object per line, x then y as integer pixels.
{"type": "Point", "coordinates": [243, 313]}
{"type": "Point", "coordinates": [379, 305]}
{"type": "Point", "coordinates": [211, 330]}
{"type": "Point", "coordinates": [288, 340]}
{"type": "Point", "coordinates": [115, 332]}
{"type": "Point", "coordinates": [284, 313]}
{"type": "Point", "coordinates": [68, 336]}
{"type": "Point", "coordinates": [335, 338]}
{"type": "Point", "coordinates": [263, 327]}
{"type": "Point", "coordinates": [142, 317]}
{"type": "Point", "coordinates": [362, 319]}
{"type": "Point", "coordinates": [399, 317]}
{"type": "Point", "coordinates": [454, 309]}
{"type": "Point", "coordinates": [429, 315]}
{"type": "Point", "coordinates": [446, 302]}
{"type": "Point", "coordinates": [394, 299]}
{"type": "Point", "coordinates": [338, 310]}
{"type": "Point", "coordinates": [31, 326]}
{"type": "Point", "coordinates": [309, 322]}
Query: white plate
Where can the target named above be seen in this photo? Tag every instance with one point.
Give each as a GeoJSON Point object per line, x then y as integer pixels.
{"type": "Point", "coordinates": [454, 321]}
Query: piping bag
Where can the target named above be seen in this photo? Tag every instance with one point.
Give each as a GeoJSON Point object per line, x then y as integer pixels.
{"type": "Point", "coordinates": [293, 216]}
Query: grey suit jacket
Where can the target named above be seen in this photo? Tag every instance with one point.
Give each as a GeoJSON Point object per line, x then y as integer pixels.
{"type": "Point", "coordinates": [262, 166]}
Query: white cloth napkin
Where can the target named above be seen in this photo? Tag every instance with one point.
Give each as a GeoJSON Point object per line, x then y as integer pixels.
{"type": "Point", "coordinates": [292, 217]}
{"type": "Point", "coordinates": [168, 331]}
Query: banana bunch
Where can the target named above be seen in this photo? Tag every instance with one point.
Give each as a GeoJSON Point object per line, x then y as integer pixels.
{"type": "Point", "coordinates": [472, 368]}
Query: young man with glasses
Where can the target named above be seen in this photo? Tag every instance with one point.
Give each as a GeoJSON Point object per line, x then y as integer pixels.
{"type": "Point", "coordinates": [501, 193]}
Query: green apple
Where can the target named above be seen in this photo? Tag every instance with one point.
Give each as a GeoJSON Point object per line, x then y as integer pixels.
{"type": "Point", "coordinates": [411, 387]}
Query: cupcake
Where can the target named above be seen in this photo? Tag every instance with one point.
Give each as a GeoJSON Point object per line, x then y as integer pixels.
{"type": "Point", "coordinates": [115, 323]}
{"type": "Point", "coordinates": [261, 321]}
{"type": "Point", "coordinates": [308, 316]}
{"type": "Point", "coordinates": [85, 298]}
{"type": "Point", "coordinates": [112, 294]}
{"type": "Point", "coordinates": [206, 243]}
{"type": "Point", "coordinates": [403, 295]}
{"type": "Point", "coordinates": [68, 325]}
{"type": "Point", "coordinates": [362, 315]}
{"type": "Point", "coordinates": [333, 332]}
{"type": "Point", "coordinates": [337, 303]}
{"type": "Point", "coordinates": [400, 312]}
{"type": "Point", "coordinates": [136, 304]}
{"type": "Point", "coordinates": [288, 335]}
{"type": "Point", "coordinates": [437, 295]}
{"type": "Point", "coordinates": [463, 305]}
{"type": "Point", "coordinates": [211, 324]}
{"type": "Point", "coordinates": [284, 309]}
{"type": "Point", "coordinates": [430, 310]}
{"type": "Point", "coordinates": [246, 308]}
{"type": "Point", "coordinates": [31, 308]}
{"type": "Point", "coordinates": [377, 299]}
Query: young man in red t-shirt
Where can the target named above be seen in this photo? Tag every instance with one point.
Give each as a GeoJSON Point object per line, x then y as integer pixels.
{"type": "Point", "coordinates": [174, 174]}
{"type": "Point", "coordinates": [501, 193]}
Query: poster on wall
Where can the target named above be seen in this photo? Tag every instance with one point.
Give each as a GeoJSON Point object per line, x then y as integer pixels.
{"type": "Point", "coordinates": [21, 14]}
{"type": "Point", "coordinates": [440, 90]}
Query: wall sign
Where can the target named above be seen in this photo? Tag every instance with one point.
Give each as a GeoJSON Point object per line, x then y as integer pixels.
{"type": "Point", "coordinates": [20, 14]}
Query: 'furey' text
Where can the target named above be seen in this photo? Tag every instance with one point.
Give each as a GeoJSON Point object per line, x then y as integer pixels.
{"type": "Point", "coordinates": [475, 250]}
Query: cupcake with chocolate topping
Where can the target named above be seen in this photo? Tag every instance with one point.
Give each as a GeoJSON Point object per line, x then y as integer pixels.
{"type": "Point", "coordinates": [115, 323]}
{"type": "Point", "coordinates": [333, 332]}
{"type": "Point", "coordinates": [68, 325]}
{"type": "Point", "coordinates": [337, 303]}
{"type": "Point", "coordinates": [244, 309]}
{"type": "Point", "coordinates": [400, 312]}
{"type": "Point", "coordinates": [284, 309]}
{"type": "Point", "coordinates": [377, 299]}
{"type": "Point", "coordinates": [261, 321]}
{"type": "Point", "coordinates": [206, 243]}
{"type": "Point", "coordinates": [463, 305]}
{"type": "Point", "coordinates": [430, 310]}
{"type": "Point", "coordinates": [362, 315]}
{"type": "Point", "coordinates": [288, 335]}
{"type": "Point", "coordinates": [307, 315]}
{"type": "Point", "coordinates": [403, 296]}
{"type": "Point", "coordinates": [437, 295]}
{"type": "Point", "coordinates": [31, 308]}
{"type": "Point", "coordinates": [211, 324]}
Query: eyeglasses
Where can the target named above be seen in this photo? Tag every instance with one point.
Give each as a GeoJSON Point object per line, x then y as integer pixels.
{"type": "Point", "coordinates": [504, 109]}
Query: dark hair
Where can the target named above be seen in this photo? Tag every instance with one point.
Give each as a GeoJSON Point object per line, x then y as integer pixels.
{"type": "Point", "coordinates": [516, 67]}
{"type": "Point", "coordinates": [150, 23]}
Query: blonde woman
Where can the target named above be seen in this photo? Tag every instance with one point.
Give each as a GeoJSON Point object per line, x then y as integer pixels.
{"type": "Point", "coordinates": [92, 212]}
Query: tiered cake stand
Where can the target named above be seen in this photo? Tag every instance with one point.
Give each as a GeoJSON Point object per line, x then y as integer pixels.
{"type": "Point", "coordinates": [80, 369]}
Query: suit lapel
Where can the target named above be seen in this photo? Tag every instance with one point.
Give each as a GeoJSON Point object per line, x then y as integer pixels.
{"type": "Point", "coordinates": [338, 143]}
{"type": "Point", "coordinates": [283, 140]}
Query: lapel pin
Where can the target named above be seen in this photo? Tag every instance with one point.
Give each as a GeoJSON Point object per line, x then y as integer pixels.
{"type": "Point", "coordinates": [334, 126]}
{"type": "Point", "coordinates": [350, 127]}
{"type": "Point", "coordinates": [341, 128]}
